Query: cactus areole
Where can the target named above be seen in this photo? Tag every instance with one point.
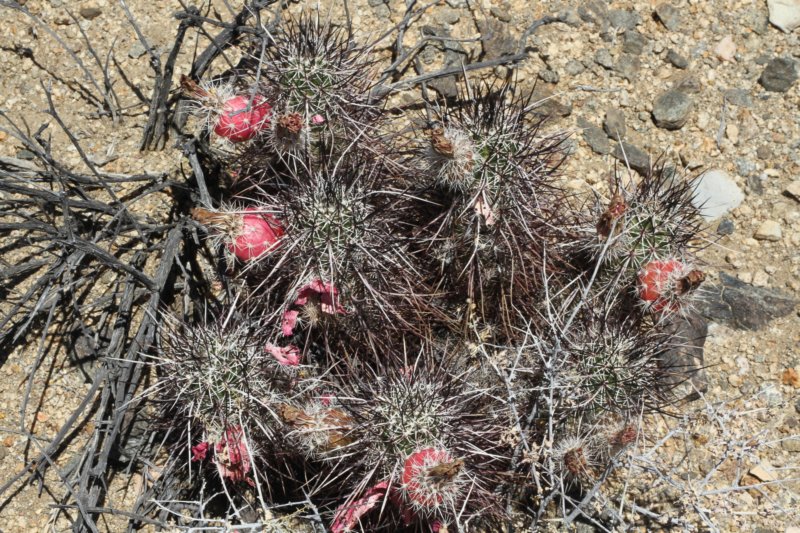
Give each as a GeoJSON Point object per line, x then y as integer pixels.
{"type": "Point", "coordinates": [240, 120]}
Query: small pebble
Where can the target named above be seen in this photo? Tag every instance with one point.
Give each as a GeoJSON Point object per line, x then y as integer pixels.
{"type": "Point", "coordinates": [614, 124]}
{"type": "Point", "coordinates": [725, 49]}
{"type": "Point", "coordinates": [669, 16]}
{"type": "Point", "coordinates": [90, 13]}
{"type": "Point", "coordinates": [779, 75]}
{"type": "Point", "coordinates": [677, 60]}
{"type": "Point", "coordinates": [769, 230]}
{"type": "Point", "coordinates": [671, 109]}
{"type": "Point", "coordinates": [725, 227]}
{"type": "Point", "coordinates": [603, 58]}
{"type": "Point", "coordinates": [793, 190]}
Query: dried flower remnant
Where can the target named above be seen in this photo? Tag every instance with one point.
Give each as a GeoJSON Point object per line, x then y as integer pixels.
{"type": "Point", "coordinates": [318, 428]}
{"type": "Point", "coordinates": [608, 220]}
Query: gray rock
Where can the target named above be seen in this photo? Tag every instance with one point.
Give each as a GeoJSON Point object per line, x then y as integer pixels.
{"type": "Point", "coordinates": [623, 19]}
{"type": "Point", "coordinates": [549, 76]}
{"type": "Point", "coordinates": [634, 42]}
{"type": "Point", "coordinates": [741, 305]}
{"type": "Point", "coordinates": [603, 58]}
{"type": "Point", "coordinates": [784, 14]}
{"type": "Point", "coordinates": [684, 360]}
{"type": "Point", "coordinates": [614, 124]}
{"type": "Point", "coordinates": [594, 137]}
{"type": "Point", "coordinates": [26, 155]}
{"type": "Point", "coordinates": [669, 16]}
{"type": "Point", "coordinates": [671, 109]}
{"type": "Point", "coordinates": [726, 227]}
{"type": "Point", "coordinates": [779, 75]}
{"type": "Point", "coordinates": [756, 184]}
{"type": "Point", "coordinates": [764, 152]}
{"type": "Point", "coordinates": [570, 17]}
{"type": "Point", "coordinates": [688, 84]}
{"type": "Point", "coordinates": [136, 50]}
{"type": "Point", "coordinates": [677, 60]}
{"type": "Point", "coordinates": [574, 67]}
{"type": "Point", "coordinates": [546, 105]}
{"type": "Point", "coordinates": [593, 11]}
{"type": "Point", "coordinates": [502, 14]}
{"type": "Point", "coordinates": [738, 97]}
{"type": "Point", "coordinates": [376, 3]}
{"type": "Point", "coordinates": [756, 20]}
{"type": "Point", "coordinates": [90, 13]}
{"type": "Point", "coordinates": [383, 11]}
{"type": "Point", "coordinates": [635, 157]}
{"type": "Point", "coordinates": [450, 16]}
{"type": "Point", "coordinates": [797, 406]}
{"type": "Point", "coordinates": [628, 66]}
{"type": "Point", "coordinates": [498, 41]}
{"type": "Point", "coordinates": [716, 193]}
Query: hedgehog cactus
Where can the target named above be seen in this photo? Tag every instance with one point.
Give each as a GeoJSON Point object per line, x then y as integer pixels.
{"type": "Point", "coordinates": [465, 315]}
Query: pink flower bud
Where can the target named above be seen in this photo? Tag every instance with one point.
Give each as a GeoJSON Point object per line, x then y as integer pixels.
{"type": "Point", "coordinates": [259, 234]}
{"type": "Point", "coordinates": [239, 123]}
{"type": "Point", "coordinates": [317, 119]}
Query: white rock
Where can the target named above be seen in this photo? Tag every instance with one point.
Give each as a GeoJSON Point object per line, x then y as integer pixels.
{"type": "Point", "coordinates": [716, 193]}
{"type": "Point", "coordinates": [785, 14]}
{"type": "Point", "coordinates": [769, 230]}
{"type": "Point", "coordinates": [725, 49]}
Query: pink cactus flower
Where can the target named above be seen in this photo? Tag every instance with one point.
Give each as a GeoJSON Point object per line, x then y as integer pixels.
{"type": "Point", "coordinates": [315, 293]}
{"type": "Point", "coordinates": [285, 355]}
{"type": "Point", "coordinates": [232, 456]}
{"type": "Point", "coordinates": [348, 515]}
{"type": "Point", "coordinates": [200, 451]}
{"type": "Point", "coordinates": [317, 119]}
{"type": "Point", "coordinates": [240, 121]}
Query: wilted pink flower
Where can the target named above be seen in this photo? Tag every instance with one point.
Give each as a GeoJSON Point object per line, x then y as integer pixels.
{"type": "Point", "coordinates": [232, 457]}
{"type": "Point", "coordinates": [318, 119]}
{"type": "Point", "coordinates": [240, 121]}
{"type": "Point", "coordinates": [315, 293]}
{"type": "Point", "coordinates": [200, 451]}
{"type": "Point", "coordinates": [348, 515]}
{"type": "Point", "coordinates": [285, 355]}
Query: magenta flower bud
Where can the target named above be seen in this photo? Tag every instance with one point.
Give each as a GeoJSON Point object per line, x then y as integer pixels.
{"type": "Point", "coordinates": [240, 121]}
{"type": "Point", "coordinates": [259, 234]}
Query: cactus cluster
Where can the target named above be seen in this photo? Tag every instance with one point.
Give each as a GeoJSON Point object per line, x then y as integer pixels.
{"type": "Point", "coordinates": [423, 327]}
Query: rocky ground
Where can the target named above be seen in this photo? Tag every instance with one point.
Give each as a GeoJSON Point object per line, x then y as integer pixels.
{"type": "Point", "coordinates": [707, 86]}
